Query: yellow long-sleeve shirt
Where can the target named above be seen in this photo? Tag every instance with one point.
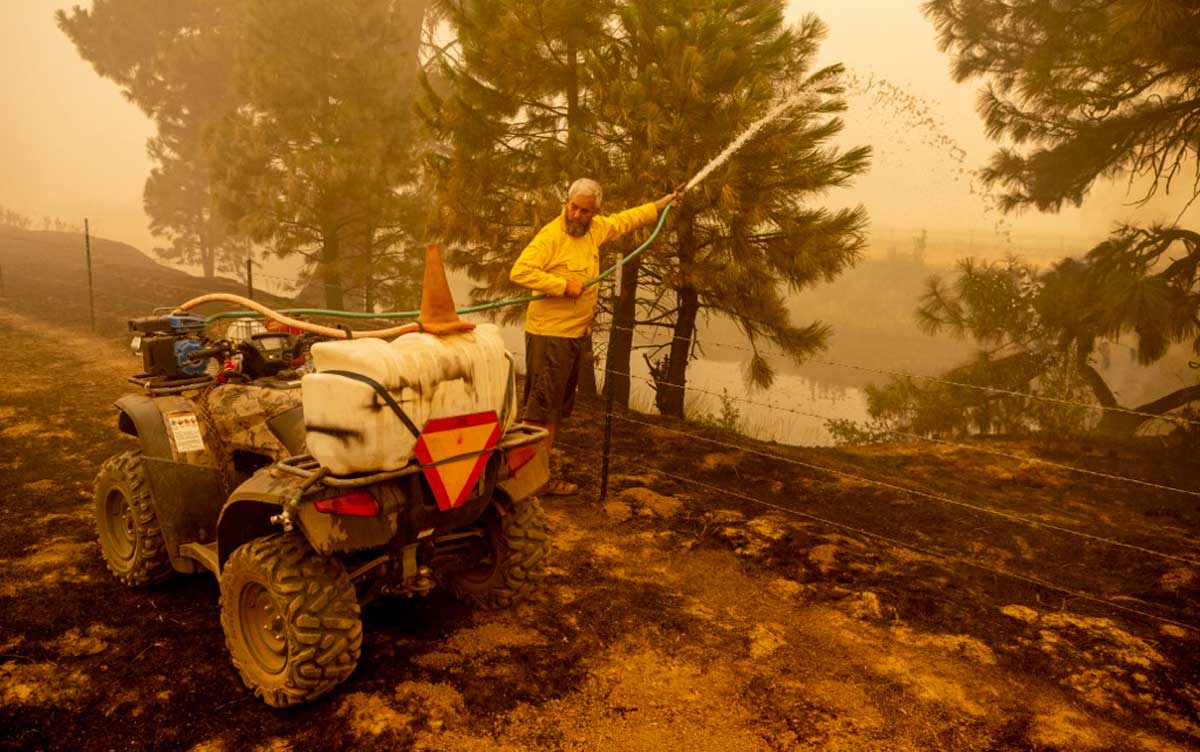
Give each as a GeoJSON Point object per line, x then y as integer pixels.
{"type": "Point", "coordinates": [553, 257]}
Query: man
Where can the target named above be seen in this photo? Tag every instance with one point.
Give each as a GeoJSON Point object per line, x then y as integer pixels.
{"type": "Point", "coordinates": [564, 254]}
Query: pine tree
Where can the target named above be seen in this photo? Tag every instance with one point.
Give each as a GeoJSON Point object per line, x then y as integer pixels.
{"type": "Point", "coordinates": [171, 60]}
{"type": "Point", "coordinates": [1084, 90]}
{"type": "Point", "coordinates": [1089, 91]}
{"type": "Point", "coordinates": [696, 74]}
{"type": "Point", "coordinates": [511, 98]}
{"type": "Point", "coordinates": [641, 101]}
{"type": "Point", "coordinates": [314, 158]}
{"type": "Point", "coordinates": [1042, 334]}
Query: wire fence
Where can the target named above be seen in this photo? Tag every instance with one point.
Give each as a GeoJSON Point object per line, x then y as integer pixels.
{"type": "Point", "coordinates": [611, 459]}
{"type": "Point", "coordinates": [68, 299]}
{"type": "Point", "coordinates": [898, 374]}
{"type": "Point", "coordinates": [724, 491]}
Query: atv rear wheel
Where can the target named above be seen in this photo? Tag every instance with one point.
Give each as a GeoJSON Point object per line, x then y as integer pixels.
{"type": "Point", "coordinates": [126, 525]}
{"type": "Point", "coordinates": [517, 542]}
{"type": "Point", "coordinates": [291, 619]}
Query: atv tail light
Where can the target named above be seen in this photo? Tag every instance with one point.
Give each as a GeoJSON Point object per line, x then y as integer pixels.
{"type": "Point", "coordinates": [521, 456]}
{"type": "Point", "coordinates": [357, 504]}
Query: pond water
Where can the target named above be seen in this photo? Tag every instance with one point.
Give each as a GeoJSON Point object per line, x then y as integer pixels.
{"type": "Point", "coordinates": [792, 411]}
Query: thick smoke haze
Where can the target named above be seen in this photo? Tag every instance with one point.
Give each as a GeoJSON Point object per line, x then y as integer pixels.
{"type": "Point", "coordinates": [71, 146]}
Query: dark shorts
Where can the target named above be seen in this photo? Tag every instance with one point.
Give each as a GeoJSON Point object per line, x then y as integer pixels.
{"type": "Point", "coordinates": [551, 375]}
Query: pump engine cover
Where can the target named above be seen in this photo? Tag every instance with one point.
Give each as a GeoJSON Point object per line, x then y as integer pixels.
{"type": "Point", "coordinates": [351, 428]}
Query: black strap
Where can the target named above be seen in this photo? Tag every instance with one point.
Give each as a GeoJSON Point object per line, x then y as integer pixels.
{"type": "Point", "coordinates": [383, 394]}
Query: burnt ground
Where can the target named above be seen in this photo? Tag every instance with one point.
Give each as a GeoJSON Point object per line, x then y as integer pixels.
{"type": "Point", "coordinates": [721, 599]}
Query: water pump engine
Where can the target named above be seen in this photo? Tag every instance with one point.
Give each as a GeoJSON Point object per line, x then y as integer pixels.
{"type": "Point", "coordinates": [169, 346]}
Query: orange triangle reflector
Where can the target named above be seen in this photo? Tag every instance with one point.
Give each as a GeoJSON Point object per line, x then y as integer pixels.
{"type": "Point", "coordinates": [453, 453]}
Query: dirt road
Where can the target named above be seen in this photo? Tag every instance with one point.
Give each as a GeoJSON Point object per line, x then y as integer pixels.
{"type": "Point", "coordinates": [674, 617]}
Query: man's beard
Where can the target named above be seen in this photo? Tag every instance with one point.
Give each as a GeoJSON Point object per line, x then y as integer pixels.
{"type": "Point", "coordinates": [577, 229]}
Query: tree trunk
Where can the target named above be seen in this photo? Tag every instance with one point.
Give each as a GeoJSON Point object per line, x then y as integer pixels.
{"type": "Point", "coordinates": [208, 255]}
{"type": "Point", "coordinates": [620, 336]}
{"type": "Point", "coordinates": [671, 391]}
{"type": "Point", "coordinates": [1121, 425]}
{"type": "Point", "coordinates": [208, 258]}
{"type": "Point", "coordinates": [331, 272]}
{"type": "Point", "coordinates": [368, 273]}
{"type": "Point", "coordinates": [573, 125]}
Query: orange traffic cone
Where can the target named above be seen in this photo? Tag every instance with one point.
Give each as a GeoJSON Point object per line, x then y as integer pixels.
{"type": "Point", "coordinates": [438, 314]}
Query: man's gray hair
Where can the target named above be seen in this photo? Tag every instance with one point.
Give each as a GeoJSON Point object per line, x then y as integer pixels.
{"type": "Point", "coordinates": [587, 187]}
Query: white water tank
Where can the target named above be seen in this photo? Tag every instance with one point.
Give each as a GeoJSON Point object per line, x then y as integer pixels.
{"type": "Point", "coordinates": [350, 427]}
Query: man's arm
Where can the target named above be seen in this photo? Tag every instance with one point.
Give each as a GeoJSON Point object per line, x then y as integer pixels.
{"type": "Point", "coordinates": [620, 223]}
{"type": "Point", "coordinates": [529, 269]}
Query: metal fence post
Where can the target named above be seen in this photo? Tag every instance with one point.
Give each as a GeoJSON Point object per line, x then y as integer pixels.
{"type": "Point", "coordinates": [608, 391]}
{"type": "Point", "coordinates": [250, 278]}
{"type": "Point", "coordinates": [608, 413]}
{"type": "Point", "coordinates": [87, 245]}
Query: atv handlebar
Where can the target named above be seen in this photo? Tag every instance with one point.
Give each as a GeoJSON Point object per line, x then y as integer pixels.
{"type": "Point", "coordinates": [220, 350]}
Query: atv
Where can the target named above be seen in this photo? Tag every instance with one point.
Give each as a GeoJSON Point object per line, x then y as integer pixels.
{"type": "Point", "coordinates": [221, 481]}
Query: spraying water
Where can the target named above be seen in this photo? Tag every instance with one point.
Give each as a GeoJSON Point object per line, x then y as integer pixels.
{"type": "Point", "coordinates": [914, 119]}
{"type": "Point", "coordinates": [916, 122]}
{"type": "Point", "coordinates": [792, 101]}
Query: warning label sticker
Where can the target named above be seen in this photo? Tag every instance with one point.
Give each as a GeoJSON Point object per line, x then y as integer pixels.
{"type": "Point", "coordinates": [185, 430]}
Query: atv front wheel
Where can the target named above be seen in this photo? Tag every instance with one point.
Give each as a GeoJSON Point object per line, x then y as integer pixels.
{"type": "Point", "coordinates": [126, 524]}
{"type": "Point", "coordinates": [517, 543]}
{"type": "Point", "coordinates": [291, 619]}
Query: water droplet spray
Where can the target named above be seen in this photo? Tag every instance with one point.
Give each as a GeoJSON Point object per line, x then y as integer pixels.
{"type": "Point", "coordinates": [795, 99]}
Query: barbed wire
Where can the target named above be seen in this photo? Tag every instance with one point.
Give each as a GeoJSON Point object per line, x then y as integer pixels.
{"type": "Point", "coordinates": [891, 486]}
{"type": "Point", "coordinates": [777, 353]}
{"type": "Point", "coordinates": [896, 542]}
{"type": "Point", "coordinates": [772, 406]}
{"type": "Point", "coordinates": [777, 407]}
{"type": "Point", "coordinates": [946, 442]}
{"type": "Point", "coordinates": [58, 282]}
{"type": "Point", "coordinates": [917, 492]}
{"type": "Point", "coordinates": [937, 379]}
{"type": "Point", "coordinates": [918, 437]}
{"type": "Point", "coordinates": [99, 263]}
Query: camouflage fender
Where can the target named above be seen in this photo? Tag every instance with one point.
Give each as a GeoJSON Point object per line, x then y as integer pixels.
{"type": "Point", "coordinates": [168, 428]}
{"type": "Point", "coordinates": [186, 495]}
{"type": "Point", "coordinates": [242, 415]}
{"type": "Point", "coordinates": [140, 417]}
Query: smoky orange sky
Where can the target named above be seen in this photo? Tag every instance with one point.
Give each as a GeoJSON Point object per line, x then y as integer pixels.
{"type": "Point", "coordinates": [71, 146]}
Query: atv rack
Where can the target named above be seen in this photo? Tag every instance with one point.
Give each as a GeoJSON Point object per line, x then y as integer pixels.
{"type": "Point", "coordinates": [307, 467]}
{"type": "Point", "coordinates": [156, 386]}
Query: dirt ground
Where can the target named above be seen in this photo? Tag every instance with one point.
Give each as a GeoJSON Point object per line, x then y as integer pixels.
{"type": "Point", "coordinates": [702, 607]}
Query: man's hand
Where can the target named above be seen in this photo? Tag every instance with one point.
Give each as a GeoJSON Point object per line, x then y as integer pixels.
{"type": "Point", "coordinates": [574, 288]}
{"type": "Point", "coordinates": [662, 202]}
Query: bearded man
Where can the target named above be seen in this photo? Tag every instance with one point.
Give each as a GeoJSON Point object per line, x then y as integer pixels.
{"type": "Point", "coordinates": [564, 254]}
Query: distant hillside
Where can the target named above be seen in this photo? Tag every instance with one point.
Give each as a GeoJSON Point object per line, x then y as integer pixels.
{"type": "Point", "coordinates": [45, 272]}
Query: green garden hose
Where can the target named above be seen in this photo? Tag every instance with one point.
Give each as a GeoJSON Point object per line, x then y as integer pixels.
{"type": "Point", "coordinates": [662, 218]}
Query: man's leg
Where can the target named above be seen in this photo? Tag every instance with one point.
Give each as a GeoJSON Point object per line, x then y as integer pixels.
{"type": "Point", "coordinates": [551, 375]}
